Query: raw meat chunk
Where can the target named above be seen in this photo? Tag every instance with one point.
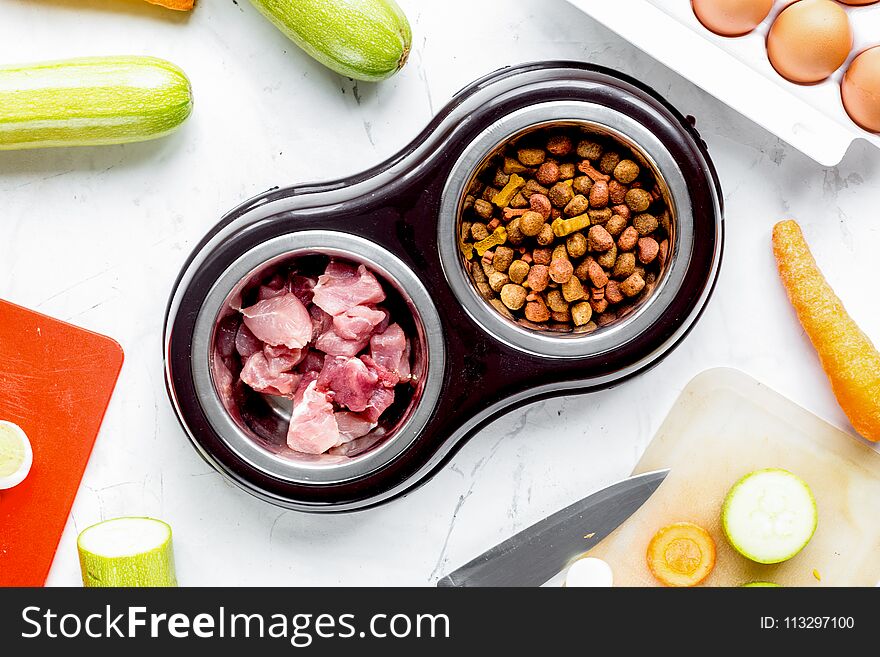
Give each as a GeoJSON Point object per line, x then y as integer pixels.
{"type": "Point", "coordinates": [281, 320]}
{"type": "Point", "coordinates": [282, 359]}
{"type": "Point", "coordinates": [303, 287]}
{"type": "Point", "coordinates": [342, 287]}
{"type": "Point", "coordinates": [390, 350]}
{"type": "Point", "coordinates": [313, 428]}
{"type": "Point", "coordinates": [357, 323]}
{"type": "Point", "coordinates": [332, 344]}
{"type": "Point", "coordinates": [246, 343]}
{"type": "Point", "coordinates": [258, 374]}
{"type": "Point", "coordinates": [379, 402]}
{"type": "Point", "coordinates": [349, 382]}
{"type": "Point", "coordinates": [321, 321]}
{"type": "Point", "coordinates": [353, 425]}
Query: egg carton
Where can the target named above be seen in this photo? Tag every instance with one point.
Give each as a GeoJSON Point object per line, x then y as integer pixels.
{"type": "Point", "coordinates": [738, 72]}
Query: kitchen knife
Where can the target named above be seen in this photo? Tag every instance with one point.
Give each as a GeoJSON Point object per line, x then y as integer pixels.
{"type": "Point", "coordinates": [533, 556]}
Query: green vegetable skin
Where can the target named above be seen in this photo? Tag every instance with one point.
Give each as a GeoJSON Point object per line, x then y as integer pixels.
{"type": "Point", "coordinates": [127, 552]}
{"type": "Point", "coordinates": [362, 39]}
{"type": "Point", "coordinates": [91, 101]}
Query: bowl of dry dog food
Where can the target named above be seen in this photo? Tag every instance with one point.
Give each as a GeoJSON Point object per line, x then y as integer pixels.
{"type": "Point", "coordinates": [564, 222]}
{"type": "Point", "coordinates": [566, 229]}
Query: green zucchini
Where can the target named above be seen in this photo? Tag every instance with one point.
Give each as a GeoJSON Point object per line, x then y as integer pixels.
{"type": "Point", "coordinates": [91, 101]}
{"type": "Point", "coordinates": [361, 39]}
{"type": "Point", "coordinates": [769, 516]}
{"type": "Point", "coordinates": [127, 552]}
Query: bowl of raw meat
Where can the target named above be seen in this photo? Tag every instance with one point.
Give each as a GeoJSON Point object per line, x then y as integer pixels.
{"type": "Point", "coordinates": [316, 358]}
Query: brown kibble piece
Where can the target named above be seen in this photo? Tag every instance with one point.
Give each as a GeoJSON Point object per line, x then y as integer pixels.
{"type": "Point", "coordinates": [576, 245]}
{"type": "Point", "coordinates": [623, 210]}
{"type": "Point", "coordinates": [589, 150]}
{"type": "Point", "coordinates": [556, 301]}
{"type": "Point", "coordinates": [608, 162]}
{"type": "Point", "coordinates": [479, 231]}
{"type": "Point", "coordinates": [560, 194]}
{"type": "Point", "coordinates": [559, 145]}
{"type": "Point", "coordinates": [537, 311]}
{"type": "Point", "coordinates": [546, 236]}
{"type": "Point", "coordinates": [625, 266]}
{"type": "Point", "coordinates": [599, 306]}
{"type": "Point", "coordinates": [483, 208]}
{"type": "Point", "coordinates": [577, 205]}
{"type": "Point", "coordinates": [513, 296]}
{"type": "Point", "coordinates": [599, 195]}
{"type": "Point", "coordinates": [645, 224]}
{"type": "Point", "coordinates": [531, 157]}
{"type": "Point", "coordinates": [608, 258]}
{"type": "Point", "coordinates": [583, 185]}
{"type": "Point", "coordinates": [563, 316]}
{"type": "Point", "coordinates": [632, 285]}
{"type": "Point", "coordinates": [513, 166]}
{"type": "Point", "coordinates": [600, 216]}
{"type": "Point", "coordinates": [567, 171]}
{"type": "Point", "coordinates": [559, 252]}
{"type": "Point", "coordinates": [626, 171]}
{"type": "Point", "coordinates": [501, 179]}
{"type": "Point", "coordinates": [572, 290]}
{"type": "Point", "coordinates": [519, 201]}
{"type": "Point", "coordinates": [648, 249]}
{"type": "Point", "coordinates": [599, 239]}
{"type": "Point", "coordinates": [548, 173]}
{"type": "Point", "coordinates": [541, 204]}
{"type": "Point", "coordinates": [616, 225]}
{"type": "Point", "coordinates": [518, 271]}
{"type": "Point", "coordinates": [582, 271]}
{"type": "Point", "coordinates": [561, 270]}
{"type": "Point", "coordinates": [489, 193]}
{"type": "Point", "coordinates": [598, 275]}
{"type": "Point", "coordinates": [502, 258]}
{"type": "Point", "coordinates": [533, 187]}
{"type": "Point", "coordinates": [616, 192]}
{"type": "Point", "coordinates": [542, 256]}
{"type": "Point", "coordinates": [664, 252]}
{"type": "Point", "coordinates": [628, 239]}
{"type": "Point", "coordinates": [613, 293]}
{"type": "Point", "coordinates": [514, 234]}
{"type": "Point", "coordinates": [538, 278]}
{"type": "Point", "coordinates": [638, 200]}
{"type": "Point", "coordinates": [498, 280]}
{"type": "Point", "coordinates": [530, 223]}
{"type": "Point", "coordinates": [581, 313]}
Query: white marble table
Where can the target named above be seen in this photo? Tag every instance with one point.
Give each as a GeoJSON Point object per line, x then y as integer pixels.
{"type": "Point", "coordinates": [96, 237]}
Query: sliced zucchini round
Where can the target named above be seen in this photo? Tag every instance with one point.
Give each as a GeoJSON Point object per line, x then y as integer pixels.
{"type": "Point", "coordinates": [769, 516]}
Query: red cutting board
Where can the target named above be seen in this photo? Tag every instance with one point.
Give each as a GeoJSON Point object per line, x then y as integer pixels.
{"type": "Point", "coordinates": [55, 383]}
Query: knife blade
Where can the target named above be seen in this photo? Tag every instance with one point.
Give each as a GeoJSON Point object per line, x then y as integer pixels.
{"type": "Point", "coordinates": [536, 554]}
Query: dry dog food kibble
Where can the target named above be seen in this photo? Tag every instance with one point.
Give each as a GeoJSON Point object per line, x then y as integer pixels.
{"type": "Point", "coordinates": [565, 230]}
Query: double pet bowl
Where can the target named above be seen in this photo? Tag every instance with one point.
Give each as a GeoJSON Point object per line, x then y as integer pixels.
{"type": "Point", "coordinates": [400, 219]}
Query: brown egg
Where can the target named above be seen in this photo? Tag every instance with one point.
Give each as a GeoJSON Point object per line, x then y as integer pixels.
{"type": "Point", "coordinates": [809, 40]}
{"type": "Point", "coordinates": [731, 17]}
{"type": "Point", "coordinates": [860, 90]}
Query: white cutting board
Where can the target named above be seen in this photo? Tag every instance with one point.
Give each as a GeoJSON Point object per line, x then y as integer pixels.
{"type": "Point", "coordinates": [725, 425]}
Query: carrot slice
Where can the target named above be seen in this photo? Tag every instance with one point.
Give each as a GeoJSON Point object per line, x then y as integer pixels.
{"type": "Point", "coordinates": [848, 357]}
{"type": "Point", "coordinates": [179, 5]}
{"type": "Point", "coordinates": [681, 554]}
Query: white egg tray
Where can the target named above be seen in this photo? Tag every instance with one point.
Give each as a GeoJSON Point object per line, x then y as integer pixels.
{"type": "Point", "coordinates": [738, 72]}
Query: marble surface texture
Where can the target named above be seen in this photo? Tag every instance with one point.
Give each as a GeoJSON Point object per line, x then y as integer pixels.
{"type": "Point", "coordinates": [97, 236]}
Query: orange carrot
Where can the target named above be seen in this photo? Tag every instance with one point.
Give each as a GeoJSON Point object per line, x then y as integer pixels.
{"type": "Point", "coordinates": [179, 5]}
{"type": "Point", "coordinates": [848, 357]}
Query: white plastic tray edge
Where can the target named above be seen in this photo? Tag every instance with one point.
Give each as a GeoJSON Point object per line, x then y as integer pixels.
{"type": "Point", "coordinates": [743, 89]}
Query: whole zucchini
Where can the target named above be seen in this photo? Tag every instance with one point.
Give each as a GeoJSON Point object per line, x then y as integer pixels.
{"type": "Point", "coordinates": [91, 101]}
{"type": "Point", "coordinates": [362, 39]}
